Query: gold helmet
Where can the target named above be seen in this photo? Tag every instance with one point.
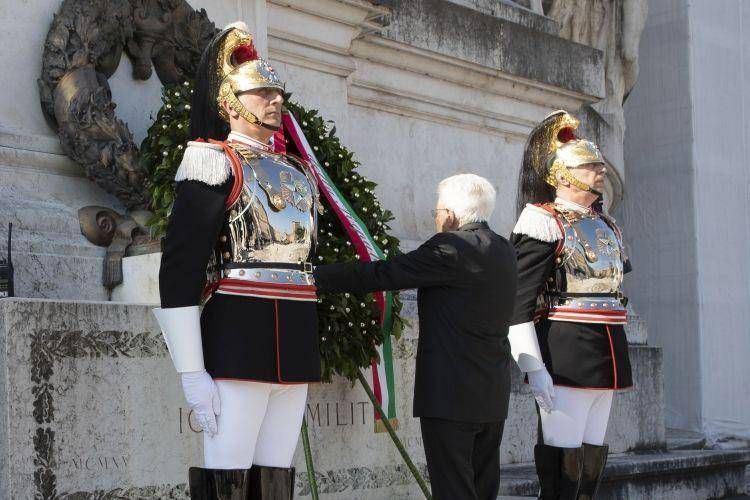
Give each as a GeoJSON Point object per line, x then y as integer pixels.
{"type": "Point", "coordinates": [240, 69]}
{"type": "Point", "coordinates": [552, 147]}
{"type": "Point", "coordinates": [573, 154]}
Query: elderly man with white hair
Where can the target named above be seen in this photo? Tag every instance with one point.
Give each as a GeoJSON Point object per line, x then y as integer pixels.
{"type": "Point", "coordinates": [466, 280]}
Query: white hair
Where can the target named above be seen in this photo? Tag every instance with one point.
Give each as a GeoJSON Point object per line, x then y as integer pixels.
{"type": "Point", "coordinates": [469, 196]}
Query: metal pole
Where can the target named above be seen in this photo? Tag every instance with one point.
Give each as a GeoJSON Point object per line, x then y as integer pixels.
{"type": "Point", "coordinates": [400, 447]}
{"type": "Point", "coordinates": [309, 461]}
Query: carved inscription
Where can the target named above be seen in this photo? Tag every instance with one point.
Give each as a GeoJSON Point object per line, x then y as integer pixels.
{"type": "Point", "coordinates": [100, 463]}
{"type": "Point", "coordinates": [339, 413]}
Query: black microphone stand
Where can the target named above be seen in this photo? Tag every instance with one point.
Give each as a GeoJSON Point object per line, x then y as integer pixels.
{"type": "Point", "coordinates": [6, 270]}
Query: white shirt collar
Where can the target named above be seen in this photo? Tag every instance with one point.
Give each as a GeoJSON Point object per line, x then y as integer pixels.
{"type": "Point", "coordinates": [246, 139]}
{"type": "Point", "coordinates": [571, 205]}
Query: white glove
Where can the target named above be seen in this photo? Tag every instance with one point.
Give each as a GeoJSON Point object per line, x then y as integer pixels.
{"type": "Point", "coordinates": [542, 388]}
{"type": "Point", "coordinates": [202, 396]}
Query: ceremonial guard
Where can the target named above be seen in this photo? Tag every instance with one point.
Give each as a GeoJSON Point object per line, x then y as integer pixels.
{"type": "Point", "coordinates": [567, 333]}
{"type": "Point", "coordinates": [241, 239]}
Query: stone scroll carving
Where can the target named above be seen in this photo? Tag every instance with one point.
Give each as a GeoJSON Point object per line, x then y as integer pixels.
{"type": "Point", "coordinates": [106, 228]}
{"type": "Point", "coordinates": [83, 49]}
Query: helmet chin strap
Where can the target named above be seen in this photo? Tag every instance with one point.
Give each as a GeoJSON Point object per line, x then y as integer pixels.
{"type": "Point", "coordinates": [570, 178]}
{"type": "Point", "coordinates": [237, 106]}
{"type": "Point", "coordinates": [575, 181]}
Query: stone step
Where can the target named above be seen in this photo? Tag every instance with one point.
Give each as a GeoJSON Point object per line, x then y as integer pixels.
{"type": "Point", "coordinates": [673, 474]}
{"type": "Point", "coordinates": [678, 439]}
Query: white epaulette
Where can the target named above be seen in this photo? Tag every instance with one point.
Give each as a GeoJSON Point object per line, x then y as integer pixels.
{"type": "Point", "coordinates": [539, 224]}
{"type": "Point", "coordinates": [204, 162]}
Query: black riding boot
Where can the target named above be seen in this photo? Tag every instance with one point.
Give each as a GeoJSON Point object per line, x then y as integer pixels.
{"type": "Point", "coordinates": [271, 483]}
{"type": "Point", "coordinates": [594, 460]}
{"type": "Point", "coordinates": [559, 471]}
{"type": "Point", "coordinates": [219, 484]}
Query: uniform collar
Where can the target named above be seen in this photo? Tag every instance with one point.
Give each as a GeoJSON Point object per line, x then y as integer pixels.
{"type": "Point", "coordinates": [248, 141]}
{"type": "Point", "coordinates": [570, 205]}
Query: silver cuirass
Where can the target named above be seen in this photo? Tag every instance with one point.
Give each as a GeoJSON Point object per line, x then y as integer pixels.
{"type": "Point", "coordinates": [591, 262]}
{"type": "Point", "coordinates": [274, 221]}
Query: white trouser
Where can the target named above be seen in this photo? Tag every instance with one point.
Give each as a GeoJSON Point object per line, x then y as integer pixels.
{"type": "Point", "coordinates": [259, 424]}
{"type": "Point", "coordinates": [580, 416]}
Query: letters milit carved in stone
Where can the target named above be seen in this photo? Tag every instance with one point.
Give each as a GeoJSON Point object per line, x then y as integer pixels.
{"type": "Point", "coordinates": [83, 49]}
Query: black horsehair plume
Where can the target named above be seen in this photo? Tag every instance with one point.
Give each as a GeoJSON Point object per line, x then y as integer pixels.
{"type": "Point", "coordinates": [205, 121]}
{"type": "Point", "coordinates": [558, 127]}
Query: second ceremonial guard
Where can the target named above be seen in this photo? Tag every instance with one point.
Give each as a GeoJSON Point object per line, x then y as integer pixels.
{"type": "Point", "coordinates": [567, 333]}
{"type": "Point", "coordinates": [246, 216]}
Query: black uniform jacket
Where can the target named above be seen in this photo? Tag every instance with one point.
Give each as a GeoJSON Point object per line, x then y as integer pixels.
{"type": "Point", "coordinates": [244, 338]}
{"type": "Point", "coordinates": [580, 355]}
{"type": "Point", "coordinates": [466, 282]}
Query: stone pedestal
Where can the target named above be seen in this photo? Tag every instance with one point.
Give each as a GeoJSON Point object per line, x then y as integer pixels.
{"type": "Point", "coordinates": [91, 404]}
{"type": "Point", "coordinates": [140, 284]}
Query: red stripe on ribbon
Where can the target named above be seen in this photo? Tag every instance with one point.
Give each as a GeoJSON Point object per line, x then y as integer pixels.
{"type": "Point", "coordinates": [279, 141]}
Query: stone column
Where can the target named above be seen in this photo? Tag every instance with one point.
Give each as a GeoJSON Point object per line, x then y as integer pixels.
{"type": "Point", "coordinates": [687, 151]}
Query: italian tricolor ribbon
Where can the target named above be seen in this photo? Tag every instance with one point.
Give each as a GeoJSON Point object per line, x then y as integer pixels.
{"type": "Point", "coordinates": [368, 251]}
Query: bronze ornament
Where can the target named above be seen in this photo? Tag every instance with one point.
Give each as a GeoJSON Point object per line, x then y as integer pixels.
{"type": "Point", "coordinates": [83, 49]}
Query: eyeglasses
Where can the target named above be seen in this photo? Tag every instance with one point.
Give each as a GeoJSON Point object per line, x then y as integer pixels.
{"type": "Point", "coordinates": [592, 166]}
{"type": "Point", "coordinates": [435, 211]}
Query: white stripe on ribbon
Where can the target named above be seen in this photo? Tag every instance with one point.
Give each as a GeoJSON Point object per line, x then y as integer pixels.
{"type": "Point", "coordinates": [385, 396]}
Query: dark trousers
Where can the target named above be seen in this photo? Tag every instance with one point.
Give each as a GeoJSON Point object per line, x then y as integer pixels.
{"type": "Point", "coordinates": [463, 458]}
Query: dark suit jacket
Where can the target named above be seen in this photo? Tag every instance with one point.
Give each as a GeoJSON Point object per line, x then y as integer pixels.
{"type": "Point", "coordinates": [466, 282]}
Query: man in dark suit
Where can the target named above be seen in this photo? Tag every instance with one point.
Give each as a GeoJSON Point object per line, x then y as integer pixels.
{"type": "Point", "coordinates": [466, 281]}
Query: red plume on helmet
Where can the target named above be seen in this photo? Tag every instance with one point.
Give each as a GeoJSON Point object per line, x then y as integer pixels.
{"type": "Point", "coordinates": [243, 53]}
{"type": "Point", "coordinates": [566, 135]}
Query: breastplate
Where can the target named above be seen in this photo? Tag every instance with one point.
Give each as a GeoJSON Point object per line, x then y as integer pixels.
{"type": "Point", "coordinates": [590, 266]}
{"type": "Point", "coordinates": [272, 223]}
